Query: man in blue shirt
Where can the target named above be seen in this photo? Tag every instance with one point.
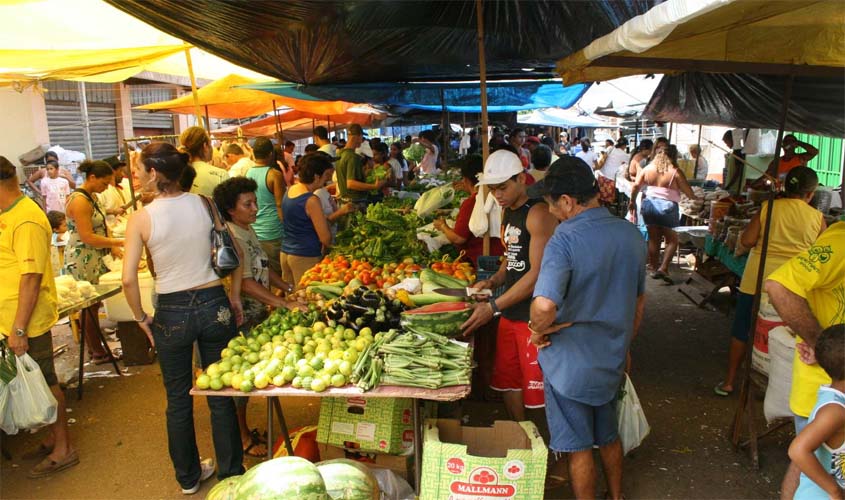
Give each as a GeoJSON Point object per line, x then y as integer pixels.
{"type": "Point", "coordinates": [587, 305]}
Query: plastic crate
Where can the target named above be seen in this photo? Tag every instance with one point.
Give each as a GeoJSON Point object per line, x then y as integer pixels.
{"type": "Point", "coordinates": [487, 267]}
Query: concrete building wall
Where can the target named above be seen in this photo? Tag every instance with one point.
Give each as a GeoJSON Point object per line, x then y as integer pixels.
{"type": "Point", "coordinates": [25, 116]}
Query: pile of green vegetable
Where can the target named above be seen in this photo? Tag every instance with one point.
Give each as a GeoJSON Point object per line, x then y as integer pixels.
{"type": "Point", "coordinates": [414, 359]}
{"type": "Point", "coordinates": [381, 236]}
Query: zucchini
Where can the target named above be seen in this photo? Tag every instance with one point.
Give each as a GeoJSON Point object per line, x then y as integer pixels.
{"type": "Point", "coordinates": [424, 299]}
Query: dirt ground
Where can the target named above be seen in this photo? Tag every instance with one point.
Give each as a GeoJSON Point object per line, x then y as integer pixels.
{"type": "Point", "coordinates": [680, 354]}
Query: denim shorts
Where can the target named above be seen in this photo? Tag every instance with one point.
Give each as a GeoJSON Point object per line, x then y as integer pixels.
{"type": "Point", "coordinates": [742, 317]}
{"type": "Point", "coordinates": [660, 212]}
{"type": "Point", "coordinates": [575, 426]}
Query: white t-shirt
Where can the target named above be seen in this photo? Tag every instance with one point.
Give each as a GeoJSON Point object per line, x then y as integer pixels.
{"type": "Point", "coordinates": [240, 167]}
{"type": "Point", "coordinates": [615, 160]}
{"type": "Point", "coordinates": [428, 165]}
{"type": "Point", "coordinates": [329, 149]}
{"type": "Point", "coordinates": [701, 174]}
{"type": "Point", "coordinates": [329, 207]}
{"type": "Point", "coordinates": [397, 168]}
{"type": "Point", "coordinates": [588, 156]}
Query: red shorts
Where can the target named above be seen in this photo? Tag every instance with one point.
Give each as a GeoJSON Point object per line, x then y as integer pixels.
{"type": "Point", "coordinates": [515, 367]}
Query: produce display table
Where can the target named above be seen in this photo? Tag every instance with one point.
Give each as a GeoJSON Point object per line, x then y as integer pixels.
{"type": "Point", "coordinates": [723, 254]}
{"type": "Point", "coordinates": [101, 292]}
{"type": "Point", "coordinates": [382, 391]}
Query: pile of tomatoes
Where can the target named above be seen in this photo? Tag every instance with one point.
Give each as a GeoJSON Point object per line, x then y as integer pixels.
{"type": "Point", "coordinates": [457, 269]}
{"type": "Point", "coordinates": [339, 268]}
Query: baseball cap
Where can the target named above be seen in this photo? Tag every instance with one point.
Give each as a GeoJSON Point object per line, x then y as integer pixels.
{"type": "Point", "coordinates": [501, 166]}
{"type": "Point", "coordinates": [533, 138]}
{"type": "Point", "coordinates": [568, 175]}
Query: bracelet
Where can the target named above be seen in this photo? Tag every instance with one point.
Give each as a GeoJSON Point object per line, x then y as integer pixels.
{"type": "Point", "coordinates": [143, 318]}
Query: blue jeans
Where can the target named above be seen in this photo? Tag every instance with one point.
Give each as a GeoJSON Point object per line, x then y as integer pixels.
{"type": "Point", "coordinates": [181, 318]}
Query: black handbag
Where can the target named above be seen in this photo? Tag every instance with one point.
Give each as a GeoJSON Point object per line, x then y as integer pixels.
{"type": "Point", "coordinates": [224, 256]}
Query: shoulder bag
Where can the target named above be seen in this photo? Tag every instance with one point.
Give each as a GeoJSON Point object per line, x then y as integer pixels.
{"type": "Point", "coordinates": [224, 256]}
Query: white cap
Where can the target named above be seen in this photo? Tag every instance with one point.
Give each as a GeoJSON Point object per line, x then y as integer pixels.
{"type": "Point", "coordinates": [501, 166]}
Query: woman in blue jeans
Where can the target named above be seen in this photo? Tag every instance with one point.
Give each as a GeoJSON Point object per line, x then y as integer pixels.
{"type": "Point", "coordinates": [192, 306]}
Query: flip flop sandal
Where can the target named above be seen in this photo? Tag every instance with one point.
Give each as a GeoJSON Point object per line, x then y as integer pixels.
{"type": "Point", "coordinates": [47, 467]}
{"type": "Point", "coordinates": [554, 482]}
{"type": "Point", "coordinates": [719, 391]}
{"type": "Point", "coordinates": [40, 452]}
{"type": "Point", "coordinates": [255, 440]}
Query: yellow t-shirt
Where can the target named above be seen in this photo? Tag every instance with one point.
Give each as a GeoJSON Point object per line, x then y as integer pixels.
{"type": "Point", "coordinates": [818, 275]}
{"type": "Point", "coordinates": [795, 226]}
{"type": "Point", "coordinates": [208, 177]}
{"type": "Point", "coordinates": [25, 249]}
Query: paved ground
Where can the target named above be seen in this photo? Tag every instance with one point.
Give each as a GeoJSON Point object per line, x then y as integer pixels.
{"type": "Point", "coordinates": [679, 356]}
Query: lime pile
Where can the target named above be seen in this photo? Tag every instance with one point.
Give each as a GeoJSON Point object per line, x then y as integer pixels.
{"type": "Point", "coordinates": [290, 347]}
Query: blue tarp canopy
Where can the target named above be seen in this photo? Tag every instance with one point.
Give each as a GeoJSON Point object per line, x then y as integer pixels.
{"type": "Point", "coordinates": [565, 118]}
{"type": "Point", "coordinates": [502, 96]}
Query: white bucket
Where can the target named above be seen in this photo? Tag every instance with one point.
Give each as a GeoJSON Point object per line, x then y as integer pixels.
{"type": "Point", "coordinates": [117, 309]}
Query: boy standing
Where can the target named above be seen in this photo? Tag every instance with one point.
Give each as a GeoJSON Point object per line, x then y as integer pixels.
{"type": "Point", "coordinates": [819, 450]}
{"type": "Point", "coordinates": [527, 226]}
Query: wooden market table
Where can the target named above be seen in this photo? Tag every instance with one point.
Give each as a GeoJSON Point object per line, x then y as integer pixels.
{"type": "Point", "coordinates": [382, 391]}
{"type": "Point", "coordinates": [101, 292]}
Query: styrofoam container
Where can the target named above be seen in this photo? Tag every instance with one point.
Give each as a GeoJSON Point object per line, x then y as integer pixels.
{"type": "Point", "coordinates": [117, 309]}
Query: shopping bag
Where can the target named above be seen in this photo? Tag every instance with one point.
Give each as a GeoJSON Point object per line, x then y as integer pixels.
{"type": "Point", "coordinates": [633, 426]}
{"type": "Point", "coordinates": [478, 221]}
{"type": "Point", "coordinates": [31, 402]}
{"type": "Point", "coordinates": [8, 371]}
{"type": "Point", "coordinates": [6, 422]}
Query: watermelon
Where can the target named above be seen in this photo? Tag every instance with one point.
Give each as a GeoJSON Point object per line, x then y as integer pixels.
{"type": "Point", "coordinates": [282, 478]}
{"type": "Point", "coordinates": [224, 490]}
{"type": "Point", "coordinates": [444, 318]}
{"type": "Point", "coordinates": [348, 480]}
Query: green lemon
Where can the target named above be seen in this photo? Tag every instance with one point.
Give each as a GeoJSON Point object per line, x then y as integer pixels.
{"type": "Point", "coordinates": [203, 382]}
{"type": "Point", "coordinates": [338, 380]}
{"type": "Point", "coordinates": [216, 384]}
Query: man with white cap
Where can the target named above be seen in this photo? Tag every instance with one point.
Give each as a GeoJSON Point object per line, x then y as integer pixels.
{"type": "Point", "coordinates": [526, 227]}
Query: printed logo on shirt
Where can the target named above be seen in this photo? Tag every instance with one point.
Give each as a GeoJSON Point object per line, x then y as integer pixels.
{"type": "Point", "coordinates": [513, 249]}
{"type": "Point", "coordinates": [817, 255]}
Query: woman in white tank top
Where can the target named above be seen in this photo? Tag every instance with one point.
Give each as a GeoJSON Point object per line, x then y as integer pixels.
{"type": "Point", "coordinates": [192, 306]}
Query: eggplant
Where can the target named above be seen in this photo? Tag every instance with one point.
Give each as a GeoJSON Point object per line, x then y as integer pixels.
{"type": "Point", "coordinates": [371, 299]}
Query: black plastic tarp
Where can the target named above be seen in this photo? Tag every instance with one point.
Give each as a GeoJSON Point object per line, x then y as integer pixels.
{"type": "Point", "coordinates": [311, 42]}
{"type": "Point", "coordinates": [817, 105]}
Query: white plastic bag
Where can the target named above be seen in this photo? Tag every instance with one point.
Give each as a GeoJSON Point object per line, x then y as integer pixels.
{"type": "Point", "coordinates": [32, 404]}
{"type": "Point", "coordinates": [494, 214]}
{"type": "Point", "coordinates": [434, 199]}
{"type": "Point", "coordinates": [392, 486]}
{"type": "Point", "coordinates": [478, 222]}
{"type": "Point", "coordinates": [781, 352]}
{"type": "Point", "coordinates": [6, 422]}
{"type": "Point", "coordinates": [633, 426]}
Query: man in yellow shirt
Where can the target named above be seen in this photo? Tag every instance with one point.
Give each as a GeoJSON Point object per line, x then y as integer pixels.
{"type": "Point", "coordinates": [28, 305]}
{"type": "Point", "coordinates": [809, 294]}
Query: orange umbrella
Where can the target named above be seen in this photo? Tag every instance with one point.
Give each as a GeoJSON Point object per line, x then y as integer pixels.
{"type": "Point", "coordinates": [222, 99]}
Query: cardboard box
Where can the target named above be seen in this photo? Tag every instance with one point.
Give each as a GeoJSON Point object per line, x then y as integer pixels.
{"type": "Point", "coordinates": [383, 425]}
{"type": "Point", "coordinates": [506, 461]}
{"type": "Point", "coordinates": [402, 465]}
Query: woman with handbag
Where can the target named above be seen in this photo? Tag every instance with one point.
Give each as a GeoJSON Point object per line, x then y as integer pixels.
{"type": "Point", "coordinates": [181, 230]}
{"type": "Point", "coordinates": [89, 241]}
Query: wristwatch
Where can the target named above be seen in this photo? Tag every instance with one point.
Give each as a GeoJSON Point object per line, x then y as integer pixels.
{"type": "Point", "coordinates": [20, 332]}
{"type": "Point", "coordinates": [496, 311]}
{"type": "Point", "coordinates": [143, 318]}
